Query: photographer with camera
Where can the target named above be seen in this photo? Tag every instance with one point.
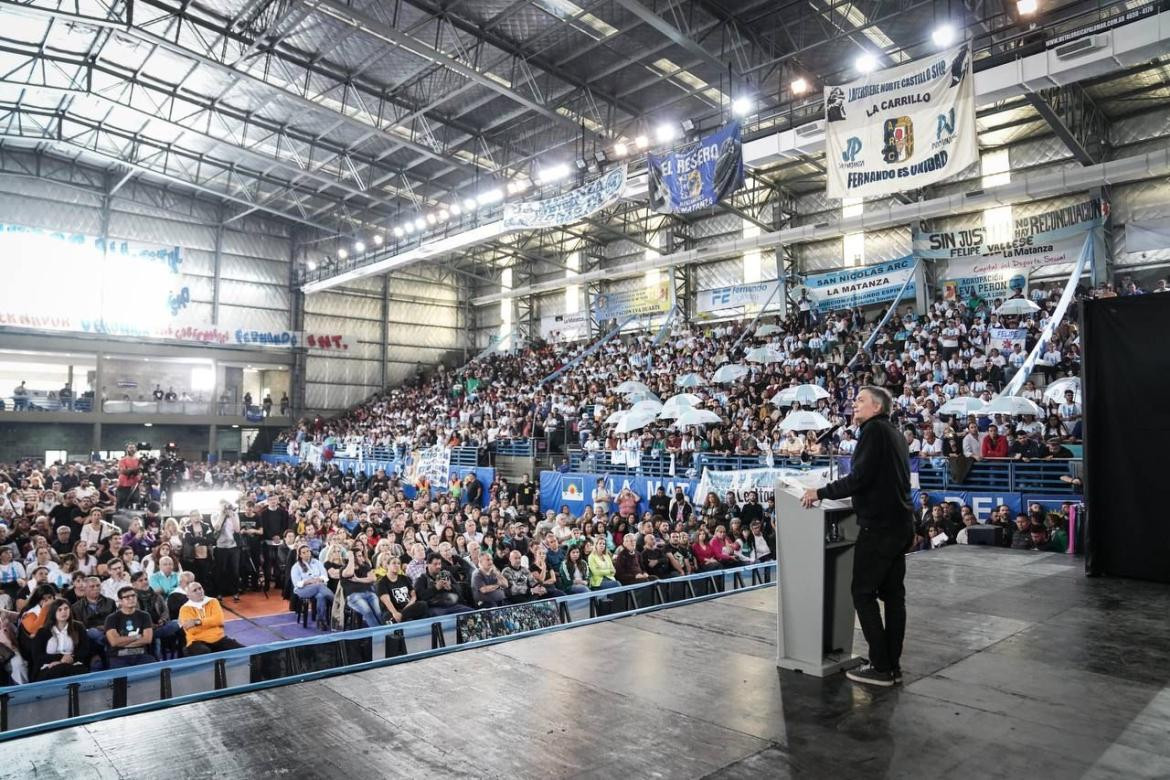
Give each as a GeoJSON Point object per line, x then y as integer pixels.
{"type": "Point", "coordinates": [129, 475]}
{"type": "Point", "coordinates": [226, 525]}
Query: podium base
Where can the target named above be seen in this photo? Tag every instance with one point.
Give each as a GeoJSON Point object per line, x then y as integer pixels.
{"type": "Point", "coordinates": [829, 665]}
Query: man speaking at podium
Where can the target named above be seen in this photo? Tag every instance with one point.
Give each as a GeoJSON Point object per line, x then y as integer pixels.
{"type": "Point", "coordinates": [879, 484]}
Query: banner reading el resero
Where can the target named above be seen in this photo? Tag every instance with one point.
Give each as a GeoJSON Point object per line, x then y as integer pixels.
{"type": "Point", "coordinates": [850, 287]}
{"type": "Point", "coordinates": [699, 175]}
{"type": "Point", "coordinates": [901, 128]}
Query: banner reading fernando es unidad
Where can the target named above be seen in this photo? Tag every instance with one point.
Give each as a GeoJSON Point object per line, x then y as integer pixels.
{"type": "Point", "coordinates": [979, 266]}
{"type": "Point", "coordinates": [750, 294]}
{"type": "Point", "coordinates": [850, 287]}
{"type": "Point", "coordinates": [698, 175]}
{"type": "Point", "coordinates": [901, 128]}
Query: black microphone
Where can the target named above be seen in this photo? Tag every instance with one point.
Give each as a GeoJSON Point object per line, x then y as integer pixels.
{"type": "Point", "coordinates": [830, 431]}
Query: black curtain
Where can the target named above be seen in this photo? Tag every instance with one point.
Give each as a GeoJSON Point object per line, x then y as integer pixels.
{"type": "Point", "coordinates": [1126, 364]}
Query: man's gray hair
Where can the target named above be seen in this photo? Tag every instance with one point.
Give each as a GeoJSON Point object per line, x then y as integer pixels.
{"type": "Point", "coordinates": [884, 400]}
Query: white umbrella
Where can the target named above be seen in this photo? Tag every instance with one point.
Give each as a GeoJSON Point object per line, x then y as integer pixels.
{"type": "Point", "coordinates": [636, 419]}
{"type": "Point", "coordinates": [1017, 307]}
{"type": "Point", "coordinates": [765, 354]}
{"type": "Point", "coordinates": [805, 394]}
{"type": "Point", "coordinates": [690, 380]}
{"type": "Point", "coordinates": [1055, 391]}
{"type": "Point", "coordinates": [1013, 405]}
{"type": "Point", "coordinates": [729, 373]}
{"type": "Point", "coordinates": [670, 412]}
{"type": "Point", "coordinates": [682, 401]}
{"type": "Point", "coordinates": [649, 405]}
{"type": "Point", "coordinates": [962, 405]}
{"type": "Point", "coordinates": [640, 395]}
{"type": "Point", "coordinates": [696, 417]}
{"type": "Point", "coordinates": [630, 386]}
{"type": "Point", "coordinates": [805, 421]}
{"type": "Point", "coordinates": [616, 417]}
{"type": "Point", "coordinates": [768, 330]}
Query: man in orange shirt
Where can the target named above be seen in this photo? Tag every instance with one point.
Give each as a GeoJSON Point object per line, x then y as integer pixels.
{"type": "Point", "coordinates": [129, 474]}
{"type": "Point", "coordinates": [202, 619]}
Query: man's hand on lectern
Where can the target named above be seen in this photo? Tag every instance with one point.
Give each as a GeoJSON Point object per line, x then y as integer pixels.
{"type": "Point", "coordinates": [809, 498]}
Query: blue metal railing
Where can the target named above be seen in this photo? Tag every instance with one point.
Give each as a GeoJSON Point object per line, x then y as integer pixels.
{"type": "Point", "coordinates": [53, 704]}
{"type": "Point", "coordinates": [465, 456]}
{"type": "Point", "coordinates": [519, 448]}
{"type": "Point", "coordinates": [1037, 476]}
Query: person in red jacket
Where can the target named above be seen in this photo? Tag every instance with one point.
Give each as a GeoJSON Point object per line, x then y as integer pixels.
{"type": "Point", "coordinates": [994, 445]}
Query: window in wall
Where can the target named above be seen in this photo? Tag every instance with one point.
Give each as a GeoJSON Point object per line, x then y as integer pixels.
{"type": "Point", "coordinates": [996, 168]}
{"type": "Point", "coordinates": [997, 223]}
{"type": "Point", "coordinates": [854, 248]}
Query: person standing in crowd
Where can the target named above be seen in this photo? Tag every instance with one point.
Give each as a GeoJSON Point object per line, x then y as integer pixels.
{"type": "Point", "coordinates": [225, 524]}
{"type": "Point", "coordinates": [129, 475]}
{"type": "Point", "coordinates": [274, 521]}
{"type": "Point", "coordinates": [879, 484]}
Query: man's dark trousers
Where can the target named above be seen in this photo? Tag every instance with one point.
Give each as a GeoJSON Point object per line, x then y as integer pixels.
{"type": "Point", "coordinates": [879, 572]}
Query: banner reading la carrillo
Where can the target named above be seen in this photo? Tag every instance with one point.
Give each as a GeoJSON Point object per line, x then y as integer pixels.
{"type": "Point", "coordinates": [698, 175]}
{"type": "Point", "coordinates": [987, 269]}
{"type": "Point", "coordinates": [850, 287]}
{"type": "Point", "coordinates": [640, 301]}
{"type": "Point", "coordinates": [901, 128]}
{"type": "Point", "coordinates": [749, 294]}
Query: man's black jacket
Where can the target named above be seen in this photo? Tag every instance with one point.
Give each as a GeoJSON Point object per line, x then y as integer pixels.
{"type": "Point", "coordinates": [878, 479]}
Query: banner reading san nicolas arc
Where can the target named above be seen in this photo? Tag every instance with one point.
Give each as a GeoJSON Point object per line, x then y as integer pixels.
{"type": "Point", "coordinates": [850, 287]}
{"type": "Point", "coordinates": [698, 175]}
{"type": "Point", "coordinates": [571, 207]}
{"type": "Point", "coordinates": [901, 128]}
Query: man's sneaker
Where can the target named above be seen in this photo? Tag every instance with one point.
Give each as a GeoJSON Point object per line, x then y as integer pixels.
{"type": "Point", "coordinates": [897, 675]}
{"type": "Point", "coordinates": [870, 676]}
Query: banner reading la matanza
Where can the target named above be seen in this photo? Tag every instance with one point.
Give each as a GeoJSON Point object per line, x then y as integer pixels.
{"type": "Point", "coordinates": [901, 128]}
{"type": "Point", "coordinates": [850, 287]}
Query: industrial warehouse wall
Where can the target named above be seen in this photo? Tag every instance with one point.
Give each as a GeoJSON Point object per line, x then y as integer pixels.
{"type": "Point", "coordinates": [424, 326]}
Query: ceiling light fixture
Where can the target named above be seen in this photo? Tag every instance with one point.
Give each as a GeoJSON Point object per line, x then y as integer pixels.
{"type": "Point", "coordinates": [665, 132]}
{"type": "Point", "coordinates": [620, 150]}
{"type": "Point", "coordinates": [359, 247]}
{"type": "Point", "coordinates": [398, 232]}
{"type": "Point", "coordinates": [742, 106]}
{"type": "Point", "coordinates": [866, 63]}
{"type": "Point", "coordinates": [641, 142]}
{"type": "Point", "coordinates": [799, 86]}
{"type": "Point", "coordinates": [470, 204]}
{"type": "Point", "coordinates": [343, 253]}
{"type": "Point", "coordinates": [420, 224]}
{"type": "Point", "coordinates": [455, 209]}
{"type": "Point", "coordinates": [1027, 7]}
{"type": "Point", "coordinates": [378, 239]}
{"type": "Point", "coordinates": [944, 35]}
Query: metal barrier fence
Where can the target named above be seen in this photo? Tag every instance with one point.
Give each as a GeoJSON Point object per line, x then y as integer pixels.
{"type": "Point", "coordinates": [1037, 476]}
{"type": "Point", "coordinates": [53, 704]}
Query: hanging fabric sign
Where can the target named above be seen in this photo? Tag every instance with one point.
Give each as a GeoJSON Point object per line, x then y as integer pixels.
{"type": "Point", "coordinates": [754, 294]}
{"type": "Point", "coordinates": [978, 265]}
{"type": "Point", "coordinates": [850, 287]}
{"type": "Point", "coordinates": [639, 301]}
{"type": "Point", "coordinates": [565, 327]}
{"type": "Point", "coordinates": [698, 175]}
{"type": "Point", "coordinates": [901, 128]}
{"type": "Point", "coordinates": [571, 207]}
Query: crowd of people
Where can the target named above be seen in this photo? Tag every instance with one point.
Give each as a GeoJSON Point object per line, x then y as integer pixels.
{"type": "Point", "coordinates": [80, 591]}
{"type": "Point", "coordinates": [924, 361]}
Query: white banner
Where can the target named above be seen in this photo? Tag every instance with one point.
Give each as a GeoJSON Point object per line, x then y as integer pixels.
{"type": "Point", "coordinates": [571, 207]}
{"type": "Point", "coordinates": [753, 294]}
{"type": "Point", "coordinates": [850, 287]}
{"type": "Point", "coordinates": [989, 270]}
{"type": "Point", "coordinates": [1005, 339]}
{"type": "Point", "coordinates": [760, 481]}
{"type": "Point", "coordinates": [901, 128]}
{"type": "Point", "coordinates": [565, 327]}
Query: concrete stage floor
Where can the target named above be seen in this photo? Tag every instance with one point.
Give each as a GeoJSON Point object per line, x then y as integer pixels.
{"type": "Point", "coordinates": [1016, 666]}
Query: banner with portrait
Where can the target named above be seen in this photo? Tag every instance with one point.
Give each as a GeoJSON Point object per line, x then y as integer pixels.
{"type": "Point", "coordinates": [646, 301]}
{"type": "Point", "coordinates": [571, 207]}
{"type": "Point", "coordinates": [698, 175]}
{"type": "Point", "coordinates": [901, 128]}
{"type": "Point", "coordinates": [752, 294]}
{"type": "Point", "coordinates": [850, 287]}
